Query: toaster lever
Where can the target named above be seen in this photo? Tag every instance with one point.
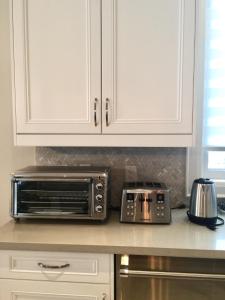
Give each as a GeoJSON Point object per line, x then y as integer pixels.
{"type": "Point", "coordinates": [148, 203]}
{"type": "Point", "coordinates": [149, 199]}
{"type": "Point", "coordinates": [141, 199]}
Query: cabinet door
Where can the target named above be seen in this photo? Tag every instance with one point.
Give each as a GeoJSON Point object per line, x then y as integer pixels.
{"type": "Point", "coordinates": [35, 290]}
{"type": "Point", "coordinates": [148, 62]}
{"type": "Point", "coordinates": [56, 50]}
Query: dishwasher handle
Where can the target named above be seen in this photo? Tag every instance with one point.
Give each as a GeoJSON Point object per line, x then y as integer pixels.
{"type": "Point", "coordinates": [138, 273]}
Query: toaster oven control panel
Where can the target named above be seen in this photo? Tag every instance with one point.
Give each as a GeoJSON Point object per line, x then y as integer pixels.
{"type": "Point", "coordinates": [100, 195]}
{"type": "Point", "coordinates": [145, 203]}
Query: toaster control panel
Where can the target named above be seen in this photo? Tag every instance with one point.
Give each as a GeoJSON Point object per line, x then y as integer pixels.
{"type": "Point", "coordinates": [145, 203]}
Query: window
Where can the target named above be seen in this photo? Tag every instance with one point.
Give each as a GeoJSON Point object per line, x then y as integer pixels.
{"type": "Point", "coordinates": [207, 159]}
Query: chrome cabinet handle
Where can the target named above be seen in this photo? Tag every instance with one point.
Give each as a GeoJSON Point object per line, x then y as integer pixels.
{"type": "Point", "coordinates": [44, 266]}
{"type": "Point", "coordinates": [107, 111]}
{"type": "Point", "coordinates": [104, 296]}
{"type": "Point", "coordinates": [95, 112]}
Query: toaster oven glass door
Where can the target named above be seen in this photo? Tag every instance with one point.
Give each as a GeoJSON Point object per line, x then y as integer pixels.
{"type": "Point", "coordinates": [55, 197]}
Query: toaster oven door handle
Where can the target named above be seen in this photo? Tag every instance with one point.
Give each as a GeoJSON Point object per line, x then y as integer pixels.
{"type": "Point", "coordinates": [54, 213]}
{"type": "Point", "coordinates": [137, 273]}
{"type": "Point", "coordinates": [45, 266]}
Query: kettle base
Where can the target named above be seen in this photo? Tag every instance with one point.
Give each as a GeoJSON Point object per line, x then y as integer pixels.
{"type": "Point", "coordinates": [210, 223]}
{"type": "Point", "coordinates": [202, 221]}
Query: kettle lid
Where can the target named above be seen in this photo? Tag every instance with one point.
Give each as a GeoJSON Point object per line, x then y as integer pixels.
{"type": "Point", "coordinates": [203, 181]}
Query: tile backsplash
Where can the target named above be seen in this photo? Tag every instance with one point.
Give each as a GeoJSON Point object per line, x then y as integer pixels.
{"type": "Point", "coordinates": [166, 165]}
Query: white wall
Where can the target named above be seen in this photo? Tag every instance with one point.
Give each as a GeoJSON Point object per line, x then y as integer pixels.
{"type": "Point", "coordinates": [11, 157]}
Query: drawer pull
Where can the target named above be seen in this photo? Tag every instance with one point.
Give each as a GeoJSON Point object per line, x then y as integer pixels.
{"type": "Point", "coordinates": [44, 266]}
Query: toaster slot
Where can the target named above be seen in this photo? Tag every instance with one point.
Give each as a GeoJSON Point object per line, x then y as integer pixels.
{"type": "Point", "coordinates": [141, 200]}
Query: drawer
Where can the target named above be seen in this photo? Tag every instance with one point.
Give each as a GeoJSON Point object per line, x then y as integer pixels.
{"type": "Point", "coordinates": [56, 266]}
{"type": "Point", "coordinates": [11, 289]}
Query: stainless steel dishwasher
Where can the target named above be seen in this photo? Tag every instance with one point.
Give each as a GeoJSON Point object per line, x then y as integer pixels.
{"type": "Point", "coordinates": [169, 278]}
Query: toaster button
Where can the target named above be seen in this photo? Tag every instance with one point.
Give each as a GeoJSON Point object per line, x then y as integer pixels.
{"type": "Point", "coordinates": [130, 201]}
{"type": "Point", "coordinates": [130, 206]}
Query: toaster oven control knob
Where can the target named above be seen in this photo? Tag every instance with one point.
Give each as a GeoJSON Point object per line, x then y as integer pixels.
{"type": "Point", "coordinates": [99, 186]}
{"type": "Point", "coordinates": [99, 197]}
{"type": "Point", "coordinates": [99, 208]}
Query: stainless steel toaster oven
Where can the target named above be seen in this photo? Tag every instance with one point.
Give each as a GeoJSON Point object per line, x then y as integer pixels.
{"type": "Point", "coordinates": [61, 192]}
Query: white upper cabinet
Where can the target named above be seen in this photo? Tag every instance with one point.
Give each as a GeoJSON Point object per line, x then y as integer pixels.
{"type": "Point", "coordinates": [148, 60]}
{"type": "Point", "coordinates": [103, 73]}
{"type": "Point", "coordinates": [57, 65]}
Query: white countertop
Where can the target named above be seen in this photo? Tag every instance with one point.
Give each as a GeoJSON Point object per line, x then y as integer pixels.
{"type": "Point", "coordinates": [180, 238]}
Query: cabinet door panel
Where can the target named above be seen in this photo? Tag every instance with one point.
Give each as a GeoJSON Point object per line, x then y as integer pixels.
{"type": "Point", "coordinates": [35, 290]}
{"type": "Point", "coordinates": [148, 61]}
{"type": "Point", "coordinates": [56, 53]}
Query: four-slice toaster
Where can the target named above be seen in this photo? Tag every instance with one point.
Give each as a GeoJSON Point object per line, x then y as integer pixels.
{"type": "Point", "coordinates": [145, 202]}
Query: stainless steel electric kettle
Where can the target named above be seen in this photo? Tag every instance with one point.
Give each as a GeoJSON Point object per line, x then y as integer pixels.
{"type": "Point", "coordinates": [203, 204]}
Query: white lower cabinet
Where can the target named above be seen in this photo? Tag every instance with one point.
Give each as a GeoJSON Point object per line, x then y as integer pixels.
{"type": "Point", "coordinates": [36, 275]}
{"type": "Point", "coordinates": [36, 290]}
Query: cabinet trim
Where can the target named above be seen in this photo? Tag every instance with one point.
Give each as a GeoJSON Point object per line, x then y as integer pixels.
{"type": "Point", "coordinates": [104, 140]}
